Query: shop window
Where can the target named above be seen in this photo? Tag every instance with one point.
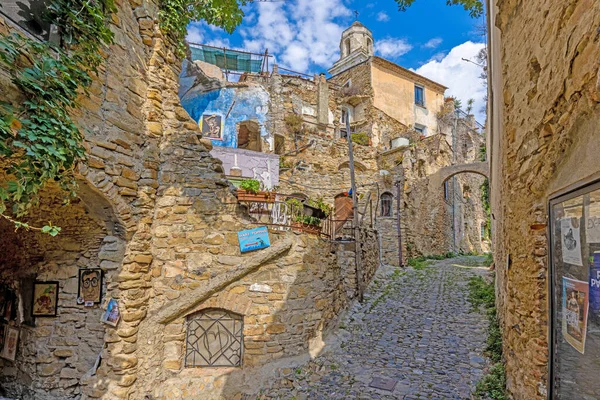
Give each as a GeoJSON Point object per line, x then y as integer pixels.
{"type": "Point", "coordinates": [575, 297]}
{"type": "Point", "coordinates": [28, 14]}
{"type": "Point", "coordinates": [386, 204]}
{"type": "Point", "coordinates": [420, 95]}
{"type": "Point", "coordinates": [214, 339]}
{"type": "Point", "coordinates": [249, 136]}
{"type": "Point", "coordinates": [279, 144]}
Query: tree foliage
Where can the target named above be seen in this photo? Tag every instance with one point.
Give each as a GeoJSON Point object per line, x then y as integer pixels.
{"type": "Point", "coordinates": [175, 15]}
{"type": "Point", "coordinates": [474, 7]}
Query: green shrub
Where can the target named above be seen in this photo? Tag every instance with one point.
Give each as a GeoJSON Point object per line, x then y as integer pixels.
{"type": "Point", "coordinates": [492, 386]}
{"type": "Point", "coordinates": [250, 185]}
{"type": "Point", "coordinates": [361, 138]}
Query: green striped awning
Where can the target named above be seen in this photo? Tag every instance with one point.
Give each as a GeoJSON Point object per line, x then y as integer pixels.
{"type": "Point", "coordinates": [227, 59]}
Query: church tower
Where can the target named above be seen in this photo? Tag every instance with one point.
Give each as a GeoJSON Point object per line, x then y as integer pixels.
{"type": "Point", "coordinates": [356, 46]}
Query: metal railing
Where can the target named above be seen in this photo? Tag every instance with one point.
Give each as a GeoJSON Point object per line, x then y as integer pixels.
{"type": "Point", "coordinates": [284, 216]}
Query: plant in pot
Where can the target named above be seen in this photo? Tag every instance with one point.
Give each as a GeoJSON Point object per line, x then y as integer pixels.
{"type": "Point", "coordinates": [317, 208]}
{"type": "Point", "coordinates": [249, 190]}
{"type": "Point", "coordinates": [308, 224]}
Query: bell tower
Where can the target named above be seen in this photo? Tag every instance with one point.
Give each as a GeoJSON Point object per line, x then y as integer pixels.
{"type": "Point", "coordinates": [356, 46]}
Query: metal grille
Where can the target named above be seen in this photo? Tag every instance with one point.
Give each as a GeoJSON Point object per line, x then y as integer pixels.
{"type": "Point", "coordinates": [214, 339]}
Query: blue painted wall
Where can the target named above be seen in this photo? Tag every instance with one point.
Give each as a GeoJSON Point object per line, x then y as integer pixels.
{"type": "Point", "coordinates": [249, 103]}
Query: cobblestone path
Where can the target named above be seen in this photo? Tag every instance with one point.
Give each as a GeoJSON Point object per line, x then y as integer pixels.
{"type": "Point", "coordinates": [415, 327]}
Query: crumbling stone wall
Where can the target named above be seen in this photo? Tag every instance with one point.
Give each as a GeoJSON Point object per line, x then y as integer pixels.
{"type": "Point", "coordinates": [545, 117]}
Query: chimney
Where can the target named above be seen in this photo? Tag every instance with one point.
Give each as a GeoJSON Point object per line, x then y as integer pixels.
{"type": "Point", "coordinates": [323, 100]}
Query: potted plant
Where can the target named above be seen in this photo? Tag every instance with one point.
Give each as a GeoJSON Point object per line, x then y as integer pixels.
{"type": "Point", "coordinates": [307, 224]}
{"type": "Point", "coordinates": [249, 190]}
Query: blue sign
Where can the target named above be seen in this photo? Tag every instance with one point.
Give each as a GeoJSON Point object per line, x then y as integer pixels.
{"type": "Point", "coordinates": [254, 239]}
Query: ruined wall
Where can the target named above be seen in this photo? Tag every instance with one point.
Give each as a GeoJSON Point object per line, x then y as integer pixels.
{"type": "Point", "coordinates": [235, 103]}
{"type": "Point", "coordinates": [546, 111]}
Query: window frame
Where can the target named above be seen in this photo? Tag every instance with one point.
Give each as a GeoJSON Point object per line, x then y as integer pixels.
{"type": "Point", "coordinates": [573, 191]}
{"type": "Point", "coordinates": [423, 101]}
{"type": "Point", "coordinates": [387, 196]}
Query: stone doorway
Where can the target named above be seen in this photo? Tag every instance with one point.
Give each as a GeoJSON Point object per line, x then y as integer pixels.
{"type": "Point", "coordinates": [249, 136]}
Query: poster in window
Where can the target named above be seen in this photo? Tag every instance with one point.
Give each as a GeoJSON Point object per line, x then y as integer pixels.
{"type": "Point", "coordinates": [592, 223]}
{"type": "Point", "coordinates": [575, 300]}
{"type": "Point", "coordinates": [595, 285]}
{"type": "Point", "coordinates": [211, 126]}
{"type": "Point", "coordinates": [571, 241]}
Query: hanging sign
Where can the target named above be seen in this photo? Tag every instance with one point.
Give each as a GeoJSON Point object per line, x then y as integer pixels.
{"type": "Point", "coordinates": [571, 241]}
{"type": "Point", "coordinates": [575, 300]}
{"type": "Point", "coordinates": [254, 239]}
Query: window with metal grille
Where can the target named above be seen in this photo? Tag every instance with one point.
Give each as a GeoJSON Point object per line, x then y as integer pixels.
{"type": "Point", "coordinates": [386, 204]}
{"type": "Point", "coordinates": [214, 339]}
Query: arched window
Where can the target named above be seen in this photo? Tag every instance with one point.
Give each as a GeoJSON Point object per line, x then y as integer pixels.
{"type": "Point", "coordinates": [214, 339]}
{"type": "Point", "coordinates": [369, 46]}
{"type": "Point", "coordinates": [386, 204]}
{"type": "Point", "coordinates": [347, 47]}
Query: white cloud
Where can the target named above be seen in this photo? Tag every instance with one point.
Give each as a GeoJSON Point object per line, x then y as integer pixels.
{"type": "Point", "coordinates": [438, 56]}
{"type": "Point", "coordinates": [433, 43]}
{"type": "Point", "coordinates": [382, 17]}
{"type": "Point", "coordinates": [461, 77]}
{"type": "Point", "coordinates": [392, 47]}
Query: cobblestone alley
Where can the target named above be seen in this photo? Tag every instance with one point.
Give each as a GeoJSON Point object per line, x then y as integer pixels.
{"type": "Point", "coordinates": [416, 329]}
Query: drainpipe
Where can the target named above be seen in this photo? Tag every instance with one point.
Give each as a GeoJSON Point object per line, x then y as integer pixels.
{"type": "Point", "coordinates": [454, 143]}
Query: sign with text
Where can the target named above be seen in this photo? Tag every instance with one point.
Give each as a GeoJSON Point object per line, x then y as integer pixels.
{"type": "Point", "coordinates": [254, 239]}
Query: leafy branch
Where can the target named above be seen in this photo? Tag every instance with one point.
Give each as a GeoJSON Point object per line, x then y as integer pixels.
{"type": "Point", "coordinates": [474, 7]}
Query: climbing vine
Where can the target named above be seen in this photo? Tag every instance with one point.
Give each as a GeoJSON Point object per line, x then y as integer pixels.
{"type": "Point", "coordinates": [38, 138]}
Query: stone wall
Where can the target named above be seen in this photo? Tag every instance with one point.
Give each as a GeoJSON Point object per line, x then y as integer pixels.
{"type": "Point", "coordinates": [545, 111]}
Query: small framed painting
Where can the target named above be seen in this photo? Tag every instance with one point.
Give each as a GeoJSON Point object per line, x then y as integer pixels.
{"type": "Point", "coordinates": [90, 286]}
{"type": "Point", "coordinates": [112, 314]}
{"type": "Point", "coordinates": [9, 350]}
{"type": "Point", "coordinates": [45, 299]}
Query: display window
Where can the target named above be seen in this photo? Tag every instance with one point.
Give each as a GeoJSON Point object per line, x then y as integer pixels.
{"type": "Point", "coordinates": [575, 300]}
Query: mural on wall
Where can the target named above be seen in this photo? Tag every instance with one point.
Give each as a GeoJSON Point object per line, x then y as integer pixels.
{"type": "Point", "coordinates": [211, 126]}
{"type": "Point", "coordinates": [234, 106]}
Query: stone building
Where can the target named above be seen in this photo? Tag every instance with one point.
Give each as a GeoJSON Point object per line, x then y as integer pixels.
{"type": "Point", "coordinates": [154, 227]}
{"type": "Point", "coordinates": [403, 130]}
{"type": "Point", "coordinates": [544, 114]}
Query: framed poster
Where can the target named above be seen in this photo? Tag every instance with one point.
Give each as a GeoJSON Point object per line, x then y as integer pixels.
{"type": "Point", "coordinates": [112, 314]}
{"type": "Point", "coordinates": [254, 239]}
{"type": "Point", "coordinates": [45, 299]}
{"type": "Point", "coordinates": [11, 338]}
{"type": "Point", "coordinates": [90, 285]}
{"type": "Point", "coordinates": [211, 126]}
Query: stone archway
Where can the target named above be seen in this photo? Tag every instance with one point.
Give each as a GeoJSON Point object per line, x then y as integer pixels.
{"type": "Point", "coordinates": [58, 350]}
{"type": "Point", "coordinates": [481, 168]}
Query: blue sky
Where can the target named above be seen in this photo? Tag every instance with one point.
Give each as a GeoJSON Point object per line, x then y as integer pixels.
{"type": "Point", "coordinates": [430, 37]}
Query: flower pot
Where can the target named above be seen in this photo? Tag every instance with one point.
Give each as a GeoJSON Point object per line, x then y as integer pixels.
{"type": "Point", "coordinates": [258, 197]}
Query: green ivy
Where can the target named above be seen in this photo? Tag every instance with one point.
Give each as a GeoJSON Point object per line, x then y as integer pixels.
{"type": "Point", "coordinates": [37, 136]}
{"type": "Point", "coordinates": [175, 16]}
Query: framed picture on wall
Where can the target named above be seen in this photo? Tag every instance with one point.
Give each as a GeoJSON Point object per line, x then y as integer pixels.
{"type": "Point", "coordinates": [45, 299]}
{"type": "Point", "coordinates": [11, 338]}
{"type": "Point", "coordinates": [90, 285]}
{"type": "Point", "coordinates": [211, 126]}
{"type": "Point", "coordinates": [112, 314]}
